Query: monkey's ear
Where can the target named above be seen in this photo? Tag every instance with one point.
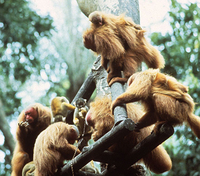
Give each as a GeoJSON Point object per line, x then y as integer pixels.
{"type": "Point", "coordinates": [63, 99]}
{"type": "Point", "coordinates": [74, 129]}
{"type": "Point", "coordinates": [96, 18]}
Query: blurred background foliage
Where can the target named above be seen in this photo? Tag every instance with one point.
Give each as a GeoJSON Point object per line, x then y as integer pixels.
{"type": "Point", "coordinates": [181, 50]}
{"type": "Point", "coordinates": [41, 58]}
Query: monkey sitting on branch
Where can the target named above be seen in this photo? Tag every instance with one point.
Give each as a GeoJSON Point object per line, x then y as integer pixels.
{"type": "Point", "coordinates": [101, 119]}
{"type": "Point", "coordinates": [122, 44]}
{"type": "Point", "coordinates": [53, 146]}
{"type": "Point", "coordinates": [31, 122]}
{"type": "Point", "coordinates": [164, 99]}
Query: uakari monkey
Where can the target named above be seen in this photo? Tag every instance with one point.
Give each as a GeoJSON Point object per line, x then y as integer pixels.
{"type": "Point", "coordinates": [164, 99]}
{"type": "Point", "coordinates": [122, 44]}
{"type": "Point", "coordinates": [34, 119]}
{"type": "Point", "coordinates": [80, 112]}
{"type": "Point", "coordinates": [101, 119]}
{"type": "Point", "coordinates": [60, 106]}
{"type": "Point", "coordinates": [53, 146]}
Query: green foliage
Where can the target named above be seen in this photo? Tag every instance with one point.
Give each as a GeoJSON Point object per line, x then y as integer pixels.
{"type": "Point", "coordinates": [21, 28]}
{"type": "Point", "coordinates": [68, 59]}
{"type": "Point", "coordinates": [183, 148]}
{"type": "Point", "coordinates": [36, 66]}
{"type": "Point", "coordinates": [181, 46]}
{"type": "Point", "coordinates": [181, 50]}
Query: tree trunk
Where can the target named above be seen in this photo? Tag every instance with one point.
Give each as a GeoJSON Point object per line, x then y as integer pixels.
{"type": "Point", "coordinates": [116, 7]}
{"type": "Point", "coordinates": [5, 128]}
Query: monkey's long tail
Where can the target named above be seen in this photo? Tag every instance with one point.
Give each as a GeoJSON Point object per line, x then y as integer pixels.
{"type": "Point", "coordinates": [194, 123]}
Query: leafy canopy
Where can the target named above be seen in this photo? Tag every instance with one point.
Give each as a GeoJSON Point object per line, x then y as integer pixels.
{"type": "Point", "coordinates": [21, 28]}
{"type": "Point", "coordinates": [181, 50]}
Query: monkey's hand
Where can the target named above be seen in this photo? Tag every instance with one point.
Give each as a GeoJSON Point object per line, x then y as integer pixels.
{"type": "Point", "coordinates": [157, 127]}
{"type": "Point", "coordinates": [117, 79]}
{"type": "Point", "coordinates": [137, 127]}
{"type": "Point", "coordinates": [96, 135]}
{"type": "Point", "coordinates": [113, 105]}
{"type": "Point", "coordinates": [23, 124]}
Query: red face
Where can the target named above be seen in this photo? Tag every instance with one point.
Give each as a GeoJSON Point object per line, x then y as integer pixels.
{"type": "Point", "coordinates": [31, 114]}
{"type": "Point", "coordinates": [88, 119]}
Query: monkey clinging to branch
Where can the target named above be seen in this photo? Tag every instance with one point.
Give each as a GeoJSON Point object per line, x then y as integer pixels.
{"type": "Point", "coordinates": [164, 99]}
{"type": "Point", "coordinates": [101, 119]}
{"type": "Point", "coordinates": [120, 42]}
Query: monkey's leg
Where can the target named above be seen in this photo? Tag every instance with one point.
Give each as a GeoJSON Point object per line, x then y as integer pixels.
{"type": "Point", "coordinates": [170, 109]}
{"type": "Point", "coordinates": [147, 119]}
{"type": "Point", "coordinates": [158, 125]}
{"type": "Point", "coordinates": [117, 79]}
{"type": "Point", "coordinates": [158, 160]}
{"type": "Point", "coordinates": [18, 162]}
{"type": "Point", "coordinates": [114, 73]}
{"type": "Point", "coordinates": [104, 63]}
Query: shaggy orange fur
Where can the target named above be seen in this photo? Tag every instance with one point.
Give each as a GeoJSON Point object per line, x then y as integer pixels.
{"type": "Point", "coordinates": [164, 99]}
{"type": "Point", "coordinates": [102, 120]}
{"type": "Point", "coordinates": [120, 42]}
{"type": "Point", "coordinates": [53, 146]}
{"type": "Point", "coordinates": [26, 134]}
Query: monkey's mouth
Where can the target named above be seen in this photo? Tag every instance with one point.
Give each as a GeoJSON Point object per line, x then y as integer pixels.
{"type": "Point", "coordinates": [29, 121]}
{"type": "Point", "coordinates": [72, 141]}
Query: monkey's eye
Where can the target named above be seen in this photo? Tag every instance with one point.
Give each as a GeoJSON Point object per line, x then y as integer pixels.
{"type": "Point", "coordinates": [81, 104]}
{"type": "Point", "coordinates": [62, 100]}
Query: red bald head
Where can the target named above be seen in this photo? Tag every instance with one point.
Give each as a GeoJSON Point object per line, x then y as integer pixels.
{"type": "Point", "coordinates": [31, 115]}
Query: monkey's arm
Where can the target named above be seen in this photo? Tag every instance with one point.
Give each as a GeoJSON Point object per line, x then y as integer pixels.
{"type": "Point", "coordinates": [22, 133]}
{"type": "Point", "coordinates": [139, 89]}
{"type": "Point", "coordinates": [20, 158]}
{"type": "Point", "coordinates": [67, 150]}
{"type": "Point", "coordinates": [68, 106]}
{"type": "Point", "coordinates": [22, 127]}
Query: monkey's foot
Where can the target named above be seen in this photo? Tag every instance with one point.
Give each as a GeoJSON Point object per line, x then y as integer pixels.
{"type": "Point", "coordinates": [157, 127]}
{"type": "Point", "coordinates": [117, 79]}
